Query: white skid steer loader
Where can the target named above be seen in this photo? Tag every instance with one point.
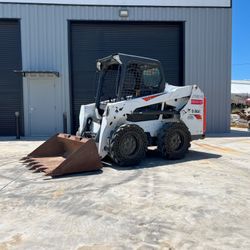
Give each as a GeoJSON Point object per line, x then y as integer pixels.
{"type": "Point", "coordinates": [134, 109]}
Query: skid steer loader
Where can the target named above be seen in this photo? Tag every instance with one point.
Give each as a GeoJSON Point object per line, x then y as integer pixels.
{"type": "Point", "coordinates": [134, 109]}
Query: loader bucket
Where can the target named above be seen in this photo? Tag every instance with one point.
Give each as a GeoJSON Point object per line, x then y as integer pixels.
{"type": "Point", "coordinates": [64, 154]}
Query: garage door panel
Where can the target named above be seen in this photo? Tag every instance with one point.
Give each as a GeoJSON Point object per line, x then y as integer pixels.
{"type": "Point", "coordinates": [9, 78]}
{"type": "Point", "coordinates": [89, 82]}
{"type": "Point", "coordinates": [10, 83]}
{"type": "Point", "coordinates": [84, 96]}
{"type": "Point", "coordinates": [89, 41]}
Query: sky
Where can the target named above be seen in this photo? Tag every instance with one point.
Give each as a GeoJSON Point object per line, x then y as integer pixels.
{"type": "Point", "coordinates": [241, 40]}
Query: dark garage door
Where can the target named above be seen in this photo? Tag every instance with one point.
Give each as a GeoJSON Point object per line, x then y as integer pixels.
{"type": "Point", "coordinates": [89, 41]}
{"type": "Point", "coordinates": [10, 83]}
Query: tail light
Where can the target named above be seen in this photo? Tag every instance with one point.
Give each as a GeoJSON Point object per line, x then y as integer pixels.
{"type": "Point", "coordinates": [204, 115]}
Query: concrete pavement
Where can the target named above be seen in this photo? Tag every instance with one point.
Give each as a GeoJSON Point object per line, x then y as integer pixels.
{"type": "Point", "coordinates": [202, 202]}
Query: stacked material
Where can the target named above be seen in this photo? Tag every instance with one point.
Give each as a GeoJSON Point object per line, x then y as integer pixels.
{"type": "Point", "coordinates": [241, 118]}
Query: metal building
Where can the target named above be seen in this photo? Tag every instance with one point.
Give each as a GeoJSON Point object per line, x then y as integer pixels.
{"type": "Point", "coordinates": [52, 47]}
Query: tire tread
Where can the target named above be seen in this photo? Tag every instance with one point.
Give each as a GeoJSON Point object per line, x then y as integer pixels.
{"type": "Point", "coordinates": [114, 145]}
{"type": "Point", "coordinates": [165, 133]}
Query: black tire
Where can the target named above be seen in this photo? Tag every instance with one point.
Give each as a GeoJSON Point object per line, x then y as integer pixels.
{"type": "Point", "coordinates": [174, 140]}
{"type": "Point", "coordinates": [128, 145]}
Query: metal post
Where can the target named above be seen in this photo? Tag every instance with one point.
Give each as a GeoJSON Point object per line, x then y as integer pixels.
{"type": "Point", "coordinates": [17, 116]}
{"type": "Point", "coordinates": [65, 127]}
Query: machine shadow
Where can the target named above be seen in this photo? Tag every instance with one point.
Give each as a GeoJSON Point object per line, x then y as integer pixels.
{"type": "Point", "coordinates": [153, 159]}
{"type": "Point", "coordinates": [74, 175]}
{"type": "Point", "coordinates": [231, 134]}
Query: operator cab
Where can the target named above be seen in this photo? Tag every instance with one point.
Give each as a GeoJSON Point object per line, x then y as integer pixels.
{"type": "Point", "coordinates": [123, 77]}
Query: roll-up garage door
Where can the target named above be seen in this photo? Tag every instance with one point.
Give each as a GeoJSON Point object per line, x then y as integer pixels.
{"type": "Point", "coordinates": [10, 83]}
{"type": "Point", "coordinates": [89, 41]}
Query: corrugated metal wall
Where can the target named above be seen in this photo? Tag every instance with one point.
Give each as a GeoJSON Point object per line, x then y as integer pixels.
{"type": "Point", "coordinates": [44, 33]}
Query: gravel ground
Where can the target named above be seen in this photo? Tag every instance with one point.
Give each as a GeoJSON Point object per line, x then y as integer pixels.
{"type": "Point", "coordinates": [202, 202]}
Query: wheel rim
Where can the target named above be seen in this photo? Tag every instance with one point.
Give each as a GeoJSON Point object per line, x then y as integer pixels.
{"type": "Point", "coordinates": [176, 141]}
{"type": "Point", "coordinates": [128, 145]}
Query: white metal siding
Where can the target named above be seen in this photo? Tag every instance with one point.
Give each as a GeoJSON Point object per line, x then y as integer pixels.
{"type": "Point", "coordinates": [189, 3]}
{"type": "Point", "coordinates": [44, 35]}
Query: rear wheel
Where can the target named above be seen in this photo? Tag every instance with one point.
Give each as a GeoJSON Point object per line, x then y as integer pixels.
{"type": "Point", "coordinates": [128, 145]}
{"type": "Point", "coordinates": [174, 141]}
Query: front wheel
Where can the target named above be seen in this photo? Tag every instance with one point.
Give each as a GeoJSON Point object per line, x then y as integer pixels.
{"type": "Point", "coordinates": [128, 145]}
{"type": "Point", "coordinates": [174, 140]}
